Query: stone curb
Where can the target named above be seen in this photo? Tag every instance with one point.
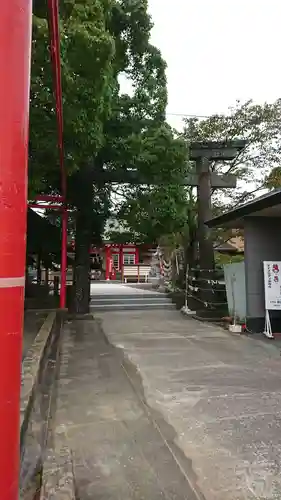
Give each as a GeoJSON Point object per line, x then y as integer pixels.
{"type": "Point", "coordinates": [31, 366]}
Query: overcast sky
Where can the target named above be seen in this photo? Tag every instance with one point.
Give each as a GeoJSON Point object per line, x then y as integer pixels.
{"type": "Point", "coordinates": [218, 51]}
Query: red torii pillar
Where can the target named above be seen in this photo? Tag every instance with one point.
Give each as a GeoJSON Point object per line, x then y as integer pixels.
{"type": "Point", "coordinates": [15, 50]}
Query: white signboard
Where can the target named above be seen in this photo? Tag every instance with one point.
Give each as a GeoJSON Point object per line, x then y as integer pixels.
{"type": "Point", "coordinates": [272, 285]}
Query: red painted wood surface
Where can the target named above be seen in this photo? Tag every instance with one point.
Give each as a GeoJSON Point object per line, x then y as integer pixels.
{"type": "Point", "coordinates": [15, 55]}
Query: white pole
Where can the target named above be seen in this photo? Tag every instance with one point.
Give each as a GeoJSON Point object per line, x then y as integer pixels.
{"type": "Point", "coordinates": [233, 279]}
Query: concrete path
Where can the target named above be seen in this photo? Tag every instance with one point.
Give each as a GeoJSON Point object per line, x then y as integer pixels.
{"type": "Point", "coordinates": [110, 288]}
{"type": "Point", "coordinates": [221, 395]}
{"type": "Point", "coordinates": [119, 451]}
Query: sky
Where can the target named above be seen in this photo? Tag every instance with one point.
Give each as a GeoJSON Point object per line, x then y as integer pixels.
{"type": "Point", "coordinates": [218, 51]}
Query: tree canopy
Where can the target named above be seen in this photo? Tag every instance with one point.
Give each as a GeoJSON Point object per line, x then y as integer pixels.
{"type": "Point", "coordinates": [108, 133]}
{"type": "Point", "coordinates": [87, 54]}
{"type": "Point", "coordinates": [257, 167]}
{"type": "Point", "coordinates": [102, 41]}
{"type": "Point", "coordinates": [151, 211]}
{"type": "Point", "coordinates": [259, 125]}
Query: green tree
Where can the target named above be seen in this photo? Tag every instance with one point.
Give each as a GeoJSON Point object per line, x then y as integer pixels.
{"type": "Point", "coordinates": [87, 50]}
{"type": "Point", "coordinates": [273, 180]}
{"type": "Point", "coordinates": [256, 168]}
{"type": "Point", "coordinates": [89, 83]}
{"type": "Point", "coordinates": [259, 125]}
{"type": "Point", "coordinates": [105, 132]}
{"type": "Point", "coordinates": [150, 211]}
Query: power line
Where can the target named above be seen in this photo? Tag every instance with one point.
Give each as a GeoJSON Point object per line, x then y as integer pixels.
{"type": "Point", "coordinates": [185, 115]}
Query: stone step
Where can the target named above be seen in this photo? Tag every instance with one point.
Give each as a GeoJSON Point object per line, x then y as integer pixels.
{"type": "Point", "coordinates": [125, 296]}
{"type": "Point", "coordinates": [129, 300]}
{"type": "Point", "coordinates": [132, 306]}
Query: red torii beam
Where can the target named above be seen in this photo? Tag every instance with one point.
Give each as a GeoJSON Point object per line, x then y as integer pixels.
{"type": "Point", "coordinates": [53, 22]}
{"type": "Point", "coordinates": [53, 7]}
{"type": "Point", "coordinates": [15, 55]}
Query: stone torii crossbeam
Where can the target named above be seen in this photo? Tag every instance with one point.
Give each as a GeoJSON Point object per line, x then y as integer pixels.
{"type": "Point", "coordinates": [204, 154]}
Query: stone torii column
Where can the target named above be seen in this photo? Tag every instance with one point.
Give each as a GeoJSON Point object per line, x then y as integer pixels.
{"type": "Point", "coordinates": [203, 154]}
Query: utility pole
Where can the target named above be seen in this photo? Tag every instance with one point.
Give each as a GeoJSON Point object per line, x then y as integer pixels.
{"type": "Point", "coordinates": [15, 55]}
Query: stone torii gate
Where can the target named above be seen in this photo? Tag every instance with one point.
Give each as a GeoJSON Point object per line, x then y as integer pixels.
{"type": "Point", "coordinates": [204, 179]}
{"type": "Point", "coordinates": [203, 154]}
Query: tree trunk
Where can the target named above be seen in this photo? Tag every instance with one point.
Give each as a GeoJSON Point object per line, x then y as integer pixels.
{"type": "Point", "coordinates": [38, 270]}
{"type": "Point", "coordinates": [83, 239]}
{"type": "Point", "coordinates": [82, 264]}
